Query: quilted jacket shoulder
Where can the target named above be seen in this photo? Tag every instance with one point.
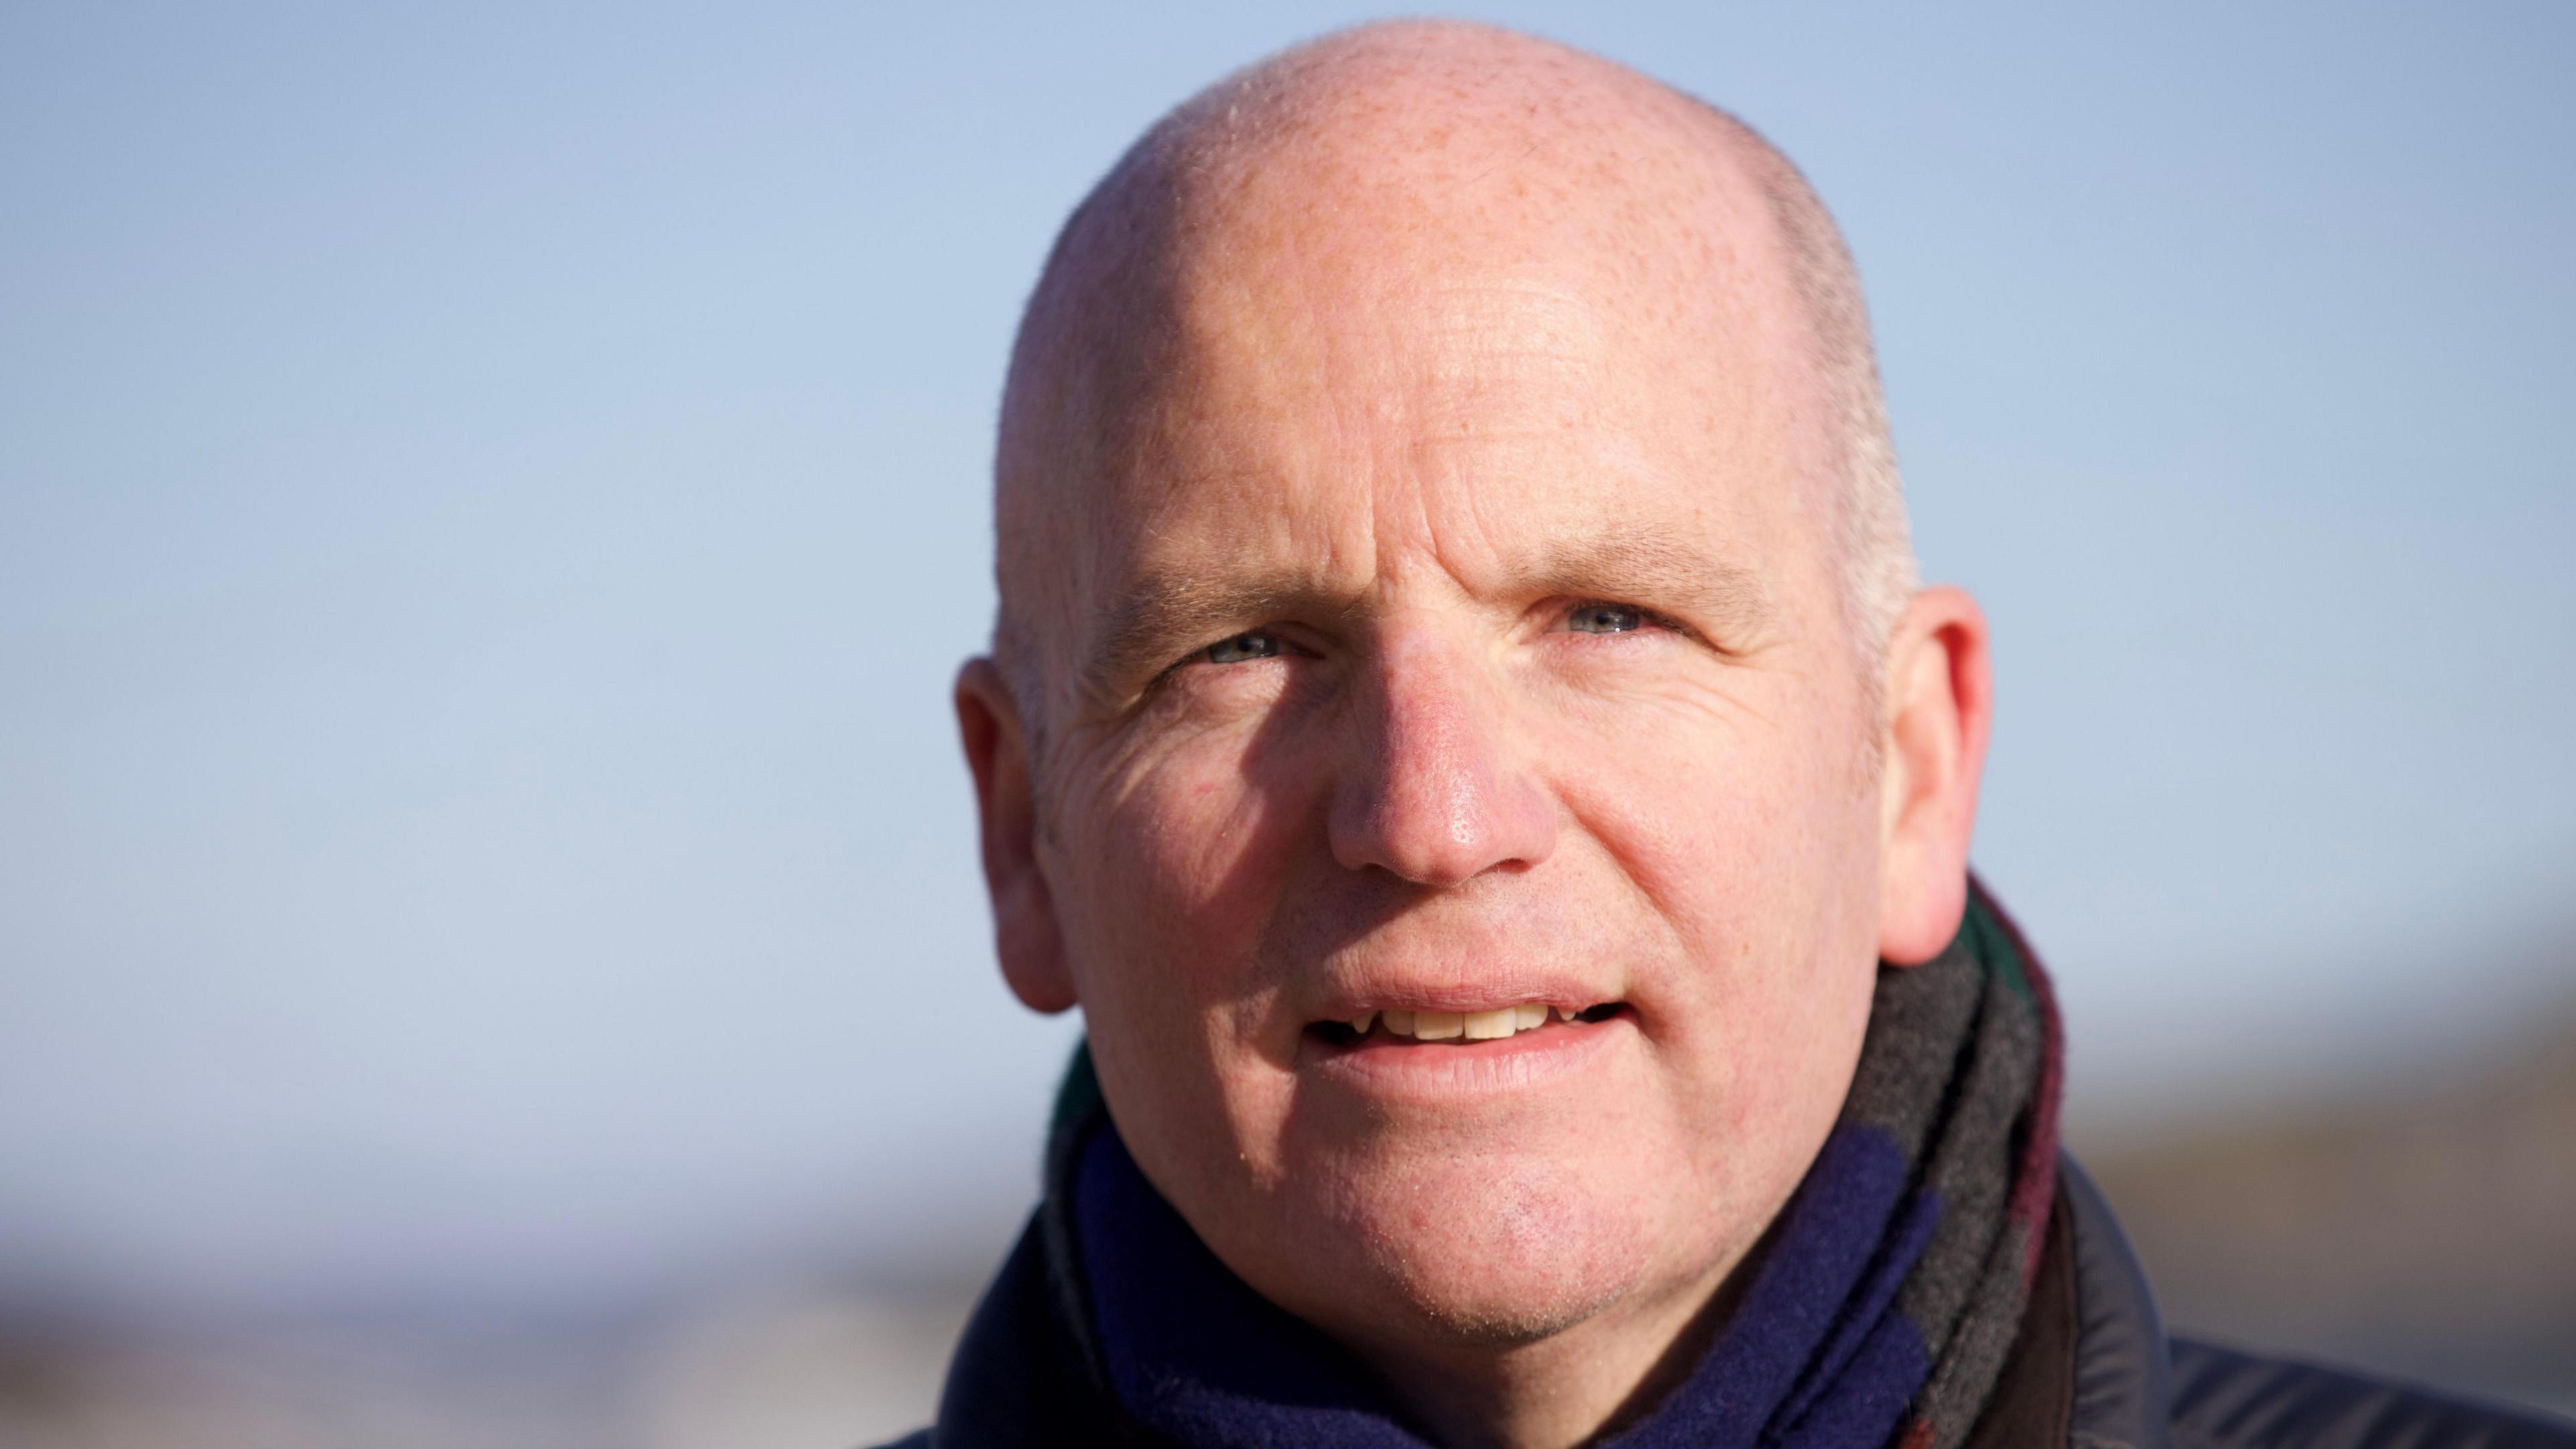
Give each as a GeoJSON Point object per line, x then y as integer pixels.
{"type": "Point", "coordinates": [2223, 1398]}
{"type": "Point", "coordinates": [2136, 1389]}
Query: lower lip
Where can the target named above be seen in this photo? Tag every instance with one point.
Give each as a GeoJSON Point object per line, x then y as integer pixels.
{"type": "Point", "coordinates": [1384, 1067]}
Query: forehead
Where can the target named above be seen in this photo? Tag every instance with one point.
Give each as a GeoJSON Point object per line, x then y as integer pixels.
{"type": "Point", "coordinates": [1477, 381]}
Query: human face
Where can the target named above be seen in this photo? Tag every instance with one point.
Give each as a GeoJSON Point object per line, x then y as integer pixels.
{"type": "Point", "coordinates": [1461, 639]}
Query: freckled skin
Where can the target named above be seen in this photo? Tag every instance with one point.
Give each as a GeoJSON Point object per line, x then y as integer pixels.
{"type": "Point", "coordinates": [1435, 335]}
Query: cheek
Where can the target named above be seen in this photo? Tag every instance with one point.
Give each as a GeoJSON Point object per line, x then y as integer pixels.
{"type": "Point", "coordinates": [1168, 881]}
{"type": "Point", "coordinates": [1756, 850]}
{"type": "Point", "coordinates": [1172, 883]}
{"type": "Point", "coordinates": [1739, 826]}
{"type": "Point", "coordinates": [1190, 854]}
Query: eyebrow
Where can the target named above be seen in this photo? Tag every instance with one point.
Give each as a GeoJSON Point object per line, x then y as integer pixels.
{"type": "Point", "coordinates": [1723, 599]}
{"type": "Point", "coordinates": [1159, 614]}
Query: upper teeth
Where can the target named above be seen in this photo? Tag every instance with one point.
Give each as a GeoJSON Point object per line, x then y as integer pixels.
{"type": "Point", "coordinates": [1502, 1021]}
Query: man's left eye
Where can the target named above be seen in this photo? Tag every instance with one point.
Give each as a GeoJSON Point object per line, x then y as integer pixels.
{"type": "Point", "coordinates": [1605, 619]}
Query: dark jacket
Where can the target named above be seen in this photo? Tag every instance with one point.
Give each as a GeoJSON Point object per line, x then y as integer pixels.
{"type": "Point", "coordinates": [2091, 1369]}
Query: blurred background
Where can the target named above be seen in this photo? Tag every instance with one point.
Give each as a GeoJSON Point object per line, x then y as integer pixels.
{"type": "Point", "coordinates": [491, 498]}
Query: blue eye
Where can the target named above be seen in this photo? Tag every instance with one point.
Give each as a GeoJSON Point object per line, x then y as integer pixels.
{"type": "Point", "coordinates": [1253, 645]}
{"type": "Point", "coordinates": [1605, 619]}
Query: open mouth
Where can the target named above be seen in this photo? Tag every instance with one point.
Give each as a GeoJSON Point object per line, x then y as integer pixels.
{"type": "Point", "coordinates": [1460, 1028]}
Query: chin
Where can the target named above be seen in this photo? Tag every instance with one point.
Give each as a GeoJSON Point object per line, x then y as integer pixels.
{"type": "Point", "coordinates": [1466, 1311]}
{"type": "Point", "coordinates": [1477, 1252]}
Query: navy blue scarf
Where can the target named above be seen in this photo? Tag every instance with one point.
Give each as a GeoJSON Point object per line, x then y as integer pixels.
{"type": "Point", "coordinates": [1880, 1312]}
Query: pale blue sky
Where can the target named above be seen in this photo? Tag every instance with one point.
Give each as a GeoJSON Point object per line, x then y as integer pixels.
{"type": "Point", "coordinates": [489, 506]}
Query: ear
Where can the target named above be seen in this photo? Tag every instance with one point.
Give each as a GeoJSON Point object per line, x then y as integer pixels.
{"type": "Point", "coordinates": [1939, 707]}
{"type": "Point", "coordinates": [1024, 926]}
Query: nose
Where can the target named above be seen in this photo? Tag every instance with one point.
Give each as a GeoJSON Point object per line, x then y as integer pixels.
{"type": "Point", "coordinates": [1430, 790]}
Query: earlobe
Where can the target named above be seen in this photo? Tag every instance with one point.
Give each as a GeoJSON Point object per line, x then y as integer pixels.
{"type": "Point", "coordinates": [1025, 931]}
{"type": "Point", "coordinates": [1939, 709]}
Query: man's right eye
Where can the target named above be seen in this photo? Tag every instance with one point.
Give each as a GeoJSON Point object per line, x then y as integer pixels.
{"type": "Point", "coordinates": [1252, 645]}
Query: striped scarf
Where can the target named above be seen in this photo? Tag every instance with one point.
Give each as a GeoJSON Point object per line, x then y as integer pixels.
{"type": "Point", "coordinates": [1881, 1313]}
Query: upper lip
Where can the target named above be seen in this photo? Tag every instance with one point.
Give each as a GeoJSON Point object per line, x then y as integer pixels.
{"type": "Point", "coordinates": [1489, 991]}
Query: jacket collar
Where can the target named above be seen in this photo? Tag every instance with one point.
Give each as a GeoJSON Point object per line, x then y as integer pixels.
{"type": "Point", "coordinates": [2123, 1390]}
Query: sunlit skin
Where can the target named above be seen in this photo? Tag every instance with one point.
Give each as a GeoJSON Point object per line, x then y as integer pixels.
{"type": "Point", "coordinates": [1457, 624]}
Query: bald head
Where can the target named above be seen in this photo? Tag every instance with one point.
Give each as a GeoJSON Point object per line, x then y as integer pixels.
{"type": "Point", "coordinates": [1421, 151]}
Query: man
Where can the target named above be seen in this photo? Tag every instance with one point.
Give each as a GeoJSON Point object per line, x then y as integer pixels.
{"type": "Point", "coordinates": [1464, 727]}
